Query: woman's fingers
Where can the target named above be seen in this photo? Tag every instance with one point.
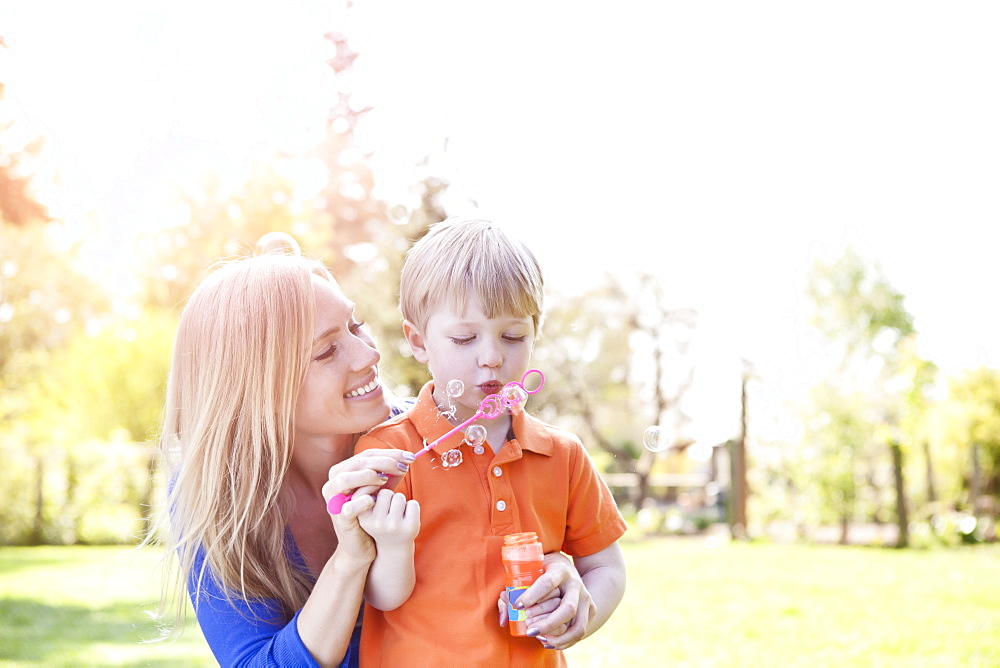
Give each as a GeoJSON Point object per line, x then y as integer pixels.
{"type": "Point", "coordinates": [367, 472]}
{"type": "Point", "coordinates": [502, 605]}
{"type": "Point", "coordinates": [357, 505]}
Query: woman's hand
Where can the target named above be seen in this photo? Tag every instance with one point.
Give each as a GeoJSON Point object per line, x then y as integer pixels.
{"type": "Point", "coordinates": [367, 472]}
{"type": "Point", "coordinates": [558, 605]}
{"type": "Point", "coordinates": [362, 476]}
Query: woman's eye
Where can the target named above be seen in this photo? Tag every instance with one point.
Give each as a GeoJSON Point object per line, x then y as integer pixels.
{"type": "Point", "coordinates": [326, 354]}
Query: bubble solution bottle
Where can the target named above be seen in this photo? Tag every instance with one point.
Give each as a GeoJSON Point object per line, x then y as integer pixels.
{"type": "Point", "coordinates": [522, 560]}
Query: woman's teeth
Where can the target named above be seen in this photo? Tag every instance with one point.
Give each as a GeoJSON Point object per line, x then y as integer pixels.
{"type": "Point", "coordinates": [370, 387]}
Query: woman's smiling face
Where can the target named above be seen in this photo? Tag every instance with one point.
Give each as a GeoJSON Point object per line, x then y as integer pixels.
{"type": "Point", "coordinates": [341, 393]}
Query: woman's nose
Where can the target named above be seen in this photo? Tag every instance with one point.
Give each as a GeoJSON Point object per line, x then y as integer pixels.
{"type": "Point", "coordinates": [366, 354]}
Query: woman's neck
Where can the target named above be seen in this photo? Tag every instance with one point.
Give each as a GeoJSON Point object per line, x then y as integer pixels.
{"type": "Point", "coordinates": [312, 459]}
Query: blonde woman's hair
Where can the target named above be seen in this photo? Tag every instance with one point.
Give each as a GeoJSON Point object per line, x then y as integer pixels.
{"type": "Point", "coordinates": [460, 257]}
{"type": "Point", "coordinates": [241, 353]}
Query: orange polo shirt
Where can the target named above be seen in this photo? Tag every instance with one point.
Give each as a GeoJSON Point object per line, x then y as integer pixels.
{"type": "Point", "coordinates": [541, 480]}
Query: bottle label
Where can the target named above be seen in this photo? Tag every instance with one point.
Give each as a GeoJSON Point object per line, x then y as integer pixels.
{"type": "Point", "coordinates": [513, 614]}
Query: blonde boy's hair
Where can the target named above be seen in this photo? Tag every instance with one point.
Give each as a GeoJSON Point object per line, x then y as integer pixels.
{"type": "Point", "coordinates": [463, 257]}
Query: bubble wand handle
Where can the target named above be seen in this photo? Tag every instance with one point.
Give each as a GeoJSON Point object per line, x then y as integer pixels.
{"type": "Point", "coordinates": [489, 408]}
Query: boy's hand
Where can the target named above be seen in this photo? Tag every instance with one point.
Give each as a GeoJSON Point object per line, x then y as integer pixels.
{"type": "Point", "coordinates": [393, 520]}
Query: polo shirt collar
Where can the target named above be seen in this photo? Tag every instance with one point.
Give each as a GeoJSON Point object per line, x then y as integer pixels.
{"type": "Point", "coordinates": [529, 432]}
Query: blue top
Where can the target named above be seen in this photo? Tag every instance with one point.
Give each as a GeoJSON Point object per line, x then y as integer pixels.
{"type": "Point", "coordinates": [254, 633]}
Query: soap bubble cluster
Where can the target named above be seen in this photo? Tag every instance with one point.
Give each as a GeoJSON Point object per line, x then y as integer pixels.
{"type": "Point", "coordinates": [451, 459]}
{"type": "Point", "coordinates": [454, 389]}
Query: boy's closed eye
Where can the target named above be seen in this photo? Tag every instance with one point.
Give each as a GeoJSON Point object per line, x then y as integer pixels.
{"type": "Point", "coordinates": [464, 340]}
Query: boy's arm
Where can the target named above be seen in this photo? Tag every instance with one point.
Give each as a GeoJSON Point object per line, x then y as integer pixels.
{"type": "Point", "coordinates": [394, 523]}
{"type": "Point", "coordinates": [603, 574]}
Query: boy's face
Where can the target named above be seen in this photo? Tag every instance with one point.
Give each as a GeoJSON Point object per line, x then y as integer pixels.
{"type": "Point", "coordinates": [484, 353]}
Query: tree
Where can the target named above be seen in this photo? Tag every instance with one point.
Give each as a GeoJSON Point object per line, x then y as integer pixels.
{"type": "Point", "coordinates": [326, 198]}
{"type": "Point", "coordinates": [222, 224]}
{"type": "Point", "coordinates": [864, 323]}
{"type": "Point", "coordinates": [617, 362]}
{"type": "Point", "coordinates": [974, 422]}
{"type": "Point", "coordinates": [19, 158]}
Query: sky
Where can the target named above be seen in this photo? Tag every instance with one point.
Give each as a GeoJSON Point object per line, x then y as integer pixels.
{"type": "Point", "coordinates": [721, 147]}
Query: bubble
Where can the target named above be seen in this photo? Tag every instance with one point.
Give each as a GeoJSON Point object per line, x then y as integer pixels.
{"type": "Point", "coordinates": [513, 398]}
{"type": "Point", "coordinates": [455, 388]}
{"type": "Point", "coordinates": [656, 439]}
{"type": "Point", "coordinates": [475, 435]}
{"type": "Point", "coordinates": [451, 458]}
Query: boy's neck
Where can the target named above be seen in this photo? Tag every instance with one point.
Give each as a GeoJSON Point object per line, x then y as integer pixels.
{"type": "Point", "coordinates": [497, 430]}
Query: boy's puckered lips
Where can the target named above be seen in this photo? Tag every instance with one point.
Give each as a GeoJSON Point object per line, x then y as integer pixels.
{"type": "Point", "coordinates": [490, 387]}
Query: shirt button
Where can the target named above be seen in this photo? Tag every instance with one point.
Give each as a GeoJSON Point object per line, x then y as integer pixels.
{"type": "Point", "coordinates": [497, 472]}
{"type": "Point", "coordinates": [479, 449]}
{"type": "Point", "coordinates": [501, 505]}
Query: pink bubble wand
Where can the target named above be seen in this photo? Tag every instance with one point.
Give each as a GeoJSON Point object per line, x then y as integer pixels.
{"type": "Point", "coordinates": [511, 396]}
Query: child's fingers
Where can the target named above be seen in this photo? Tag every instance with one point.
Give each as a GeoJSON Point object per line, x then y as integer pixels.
{"type": "Point", "coordinates": [411, 517]}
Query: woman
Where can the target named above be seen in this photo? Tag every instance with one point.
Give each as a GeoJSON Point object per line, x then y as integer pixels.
{"type": "Point", "coordinates": [272, 381]}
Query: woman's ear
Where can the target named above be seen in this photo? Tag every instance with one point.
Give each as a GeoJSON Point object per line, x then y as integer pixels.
{"type": "Point", "coordinates": [416, 340]}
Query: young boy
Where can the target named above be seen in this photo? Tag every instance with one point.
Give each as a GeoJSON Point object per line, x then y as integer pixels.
{"type": "Point", "coordinates": [471, 299]}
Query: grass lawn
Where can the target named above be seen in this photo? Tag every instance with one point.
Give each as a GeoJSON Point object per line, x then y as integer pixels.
{"type": "Point", "coordinates": [86, 606]}
{"type": "Point", "coordinates": [690, 602]}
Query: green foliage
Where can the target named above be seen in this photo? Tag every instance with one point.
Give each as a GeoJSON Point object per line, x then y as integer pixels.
{"type": "Point", "coordinates": [44, 297]}
{"type": "Point", "coordinates": [113, 379]}
{"type": "Point", "coordinates": [80, 491]}
{"type": "Point", "coordinates": [977, 417]}
{"type": "Point", "coordinates": [841, 432]}
{"type": "Point", "coordinates": [968, 422]}
{"type": "Point", "coordinates": [855, 304]}
{"type": "Point", "coordinates": [876, 388]}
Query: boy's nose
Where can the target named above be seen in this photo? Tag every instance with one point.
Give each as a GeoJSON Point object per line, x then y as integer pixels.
{"type": "Point", "coordinates": [490, 356]}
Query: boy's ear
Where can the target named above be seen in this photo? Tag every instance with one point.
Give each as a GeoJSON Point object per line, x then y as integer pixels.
{"type": "Point", "coordinates": [416, 340]}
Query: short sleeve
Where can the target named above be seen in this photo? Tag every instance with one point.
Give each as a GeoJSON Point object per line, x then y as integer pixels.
{"type": "Point", "coordinates": [593, 521]}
